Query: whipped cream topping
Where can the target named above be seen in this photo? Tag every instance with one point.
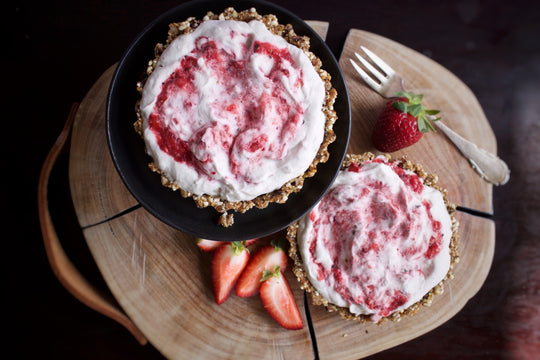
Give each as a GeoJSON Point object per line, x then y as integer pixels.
{"type": "Point", "coordinates": [378, 241]}
{"type": "Point", "coordinates": [232, 110]}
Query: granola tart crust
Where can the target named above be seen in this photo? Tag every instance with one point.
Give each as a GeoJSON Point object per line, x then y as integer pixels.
{"type": "Point", "coordinates": [317, 299]}
{"type": "Point", "coordinates": [294, 185]}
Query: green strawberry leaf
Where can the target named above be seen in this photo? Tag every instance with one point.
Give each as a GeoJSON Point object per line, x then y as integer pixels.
{"type": "Point", "coordinates": [401, 106]}
{"type": "Point", "coordinates": [403, 94]}
{"type": "Point", "coordinates": [415, 109]}
{"type": "Point", "coordinates": [429, 124]}
{"type": "Point", "coordinates": [267, 274]}
{"type": "Point", "coordinates": [238, 247]}
{"type": "Point", "coordinates": [422, 126]}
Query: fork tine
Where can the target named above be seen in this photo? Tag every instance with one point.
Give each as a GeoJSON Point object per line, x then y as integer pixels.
{"type": "Point", "coordinates": [380, 63]}
{"type": "Point", "coordinates": [372, 83]}
{"type": "Point", "coordinates": [374, 72]}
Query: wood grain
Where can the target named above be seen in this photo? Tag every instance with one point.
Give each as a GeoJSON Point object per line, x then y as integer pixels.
{"type": "Point", "coordinates": [162, 280]}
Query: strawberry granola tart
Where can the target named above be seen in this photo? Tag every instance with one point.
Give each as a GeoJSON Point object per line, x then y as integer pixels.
{"type": "Point", "coordinates": [380, 243]}
{"type": "Point", "coordinates": [235, 111]}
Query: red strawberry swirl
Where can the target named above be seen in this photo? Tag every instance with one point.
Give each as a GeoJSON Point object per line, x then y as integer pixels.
{"type": "Point", "coordinates": [375, 243]}
{"type": "Point", "coordinates": [233, 107]}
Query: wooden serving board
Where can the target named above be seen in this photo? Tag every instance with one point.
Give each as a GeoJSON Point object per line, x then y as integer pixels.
{"type": "Point", "coordinates": [162, 280]}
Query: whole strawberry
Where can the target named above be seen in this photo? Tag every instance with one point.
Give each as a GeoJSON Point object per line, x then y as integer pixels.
{"type": "Point", "coordinates": [402, 122]}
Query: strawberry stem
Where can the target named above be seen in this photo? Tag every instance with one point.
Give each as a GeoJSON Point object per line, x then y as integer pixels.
{"type": "Point", "coordinates": [238, 247]}
{"type": "Point", "coordinates": [267, 274]}
{"type": "Point", "coordinates": [414, 107]}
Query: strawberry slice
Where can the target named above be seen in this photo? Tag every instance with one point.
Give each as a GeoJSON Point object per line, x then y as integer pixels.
{"type": "Point", "coordinates": [266, 258]}
{"type": "Point", "coordinates": [211, 245]}
{"type": "Point", "coordinates": [251, 242]}
{"type": "Point", "coordinates": [228, 262]}
{"type": "Point", "coordinates": [278, 300]}
{"type": "Point", "coordinates": [208, 245]}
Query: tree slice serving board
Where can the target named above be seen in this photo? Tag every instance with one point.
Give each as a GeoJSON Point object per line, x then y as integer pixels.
{"type": "Point", "coordinates": [162, 280]}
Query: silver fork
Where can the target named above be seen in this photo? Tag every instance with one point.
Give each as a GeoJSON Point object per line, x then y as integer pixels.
{"type": "Point", "coordinates": [387, 82]}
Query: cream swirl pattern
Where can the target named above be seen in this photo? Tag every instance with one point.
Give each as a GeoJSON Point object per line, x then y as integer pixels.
{"type": "Point", "coordinates": [378, 241]}
{"type": "Point", "coordinates": [232, 110]}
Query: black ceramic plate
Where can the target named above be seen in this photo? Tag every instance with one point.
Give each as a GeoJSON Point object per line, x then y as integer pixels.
{"type": "Point", "coordinates": [131, 161]}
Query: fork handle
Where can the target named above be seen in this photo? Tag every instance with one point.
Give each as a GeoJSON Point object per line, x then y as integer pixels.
{"type": "Point", "coordinates": [488, 165]}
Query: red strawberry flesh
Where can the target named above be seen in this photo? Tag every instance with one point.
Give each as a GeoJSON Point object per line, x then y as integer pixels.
{"type": "Point", "coordinates": [395, 129]}
{"type": "Point", "coordinates": [228, 262]}
{"type": "Point", "coordinates": [279, 302]}
{"type": "Point", "coordinates": [266, 258]}
{"type": "Point", "coordinates": [251, 242]}
{"type": "Point", "coordinates": [208, 245]}
{"type": "Point", "coordinates": [402, 123]}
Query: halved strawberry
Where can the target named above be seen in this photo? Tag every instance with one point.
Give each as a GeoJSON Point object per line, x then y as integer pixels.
{"type": "Point", "coordinates": [278, 300]}
{"type": "Point", "coordinates": [265, 258]}
{"type": "Point", "coordinates": [208, 245]}
{"type": "Point", "coordinates": [402, 122]}
{"type": "Point", "coordinates": [251, 242]}
{"type": "Point", "coordinates": [228, 262]}
{"type": "Point", "coordinates": [211, 245]}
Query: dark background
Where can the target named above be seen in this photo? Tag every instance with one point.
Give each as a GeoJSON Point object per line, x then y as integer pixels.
{"type": "Point", "coordinates": [55, 52]}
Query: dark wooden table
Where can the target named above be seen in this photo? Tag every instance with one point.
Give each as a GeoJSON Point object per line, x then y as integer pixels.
{"type": "Point", "coordinates": [57, 50]}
